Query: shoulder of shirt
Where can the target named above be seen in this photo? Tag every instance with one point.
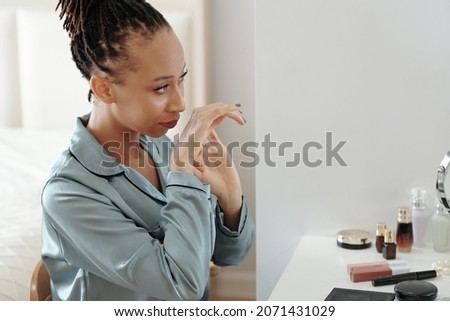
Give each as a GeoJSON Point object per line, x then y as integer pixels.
{"type": "Point", "coordinates": [66, 166]}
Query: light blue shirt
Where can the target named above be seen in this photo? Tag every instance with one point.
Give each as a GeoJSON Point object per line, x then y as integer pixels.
{"type": "Point", "coordinates": [109, 234]}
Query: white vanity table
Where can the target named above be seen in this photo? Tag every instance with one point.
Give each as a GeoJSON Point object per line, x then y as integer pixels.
{"type": "Point", "coordinates": [318, 265]}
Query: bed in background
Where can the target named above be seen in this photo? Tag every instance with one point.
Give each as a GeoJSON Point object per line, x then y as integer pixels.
{"type": "Point", "coordinates": [42, 93]}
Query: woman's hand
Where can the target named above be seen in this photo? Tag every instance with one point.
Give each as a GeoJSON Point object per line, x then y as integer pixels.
{"type": "Point", "coordinates": [200, 152]}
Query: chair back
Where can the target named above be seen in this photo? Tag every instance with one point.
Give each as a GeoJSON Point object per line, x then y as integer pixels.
{"type": "Point", "coordinates": [40, 283]}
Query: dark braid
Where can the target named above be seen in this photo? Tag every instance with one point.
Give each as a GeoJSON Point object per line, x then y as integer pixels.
{"type": "Point", "coordinates": [99, 30]}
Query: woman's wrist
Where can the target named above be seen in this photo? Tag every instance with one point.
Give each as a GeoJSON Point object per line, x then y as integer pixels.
{"type": "Point", "coordinates": [181, 163]}
{"type": "Point", "coordinates": [231, 206]}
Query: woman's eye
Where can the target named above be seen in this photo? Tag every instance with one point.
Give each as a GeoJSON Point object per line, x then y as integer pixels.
{"type": "Point", "coordinates": [162, 89]}
{"type": "Point", "coordinates": [165, 88]}
{"type": "Point", "coordinates": [183, 75]}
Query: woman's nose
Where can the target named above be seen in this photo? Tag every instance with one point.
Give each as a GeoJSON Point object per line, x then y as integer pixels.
{"type": "Point", "coordinates": [177, 103]}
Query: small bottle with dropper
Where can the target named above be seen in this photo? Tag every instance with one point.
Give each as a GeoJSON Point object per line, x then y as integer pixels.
{"type": "Point", "coordinates": [379, 233]}
{"type": "Point", "coordinates": [389, 247]}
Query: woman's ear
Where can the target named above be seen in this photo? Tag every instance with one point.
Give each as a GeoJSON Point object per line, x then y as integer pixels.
{"type": "Point", "coordinates": [101, 87]}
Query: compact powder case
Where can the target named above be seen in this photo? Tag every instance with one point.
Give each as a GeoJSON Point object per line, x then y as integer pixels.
{"type": "Point", "coordinates": [354, 239]}
{"type": "Point", "coordinates": [415, 290]}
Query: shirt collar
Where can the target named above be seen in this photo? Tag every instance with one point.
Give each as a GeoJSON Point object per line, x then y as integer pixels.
{"type": "Point", "coordinates": [88, 151]}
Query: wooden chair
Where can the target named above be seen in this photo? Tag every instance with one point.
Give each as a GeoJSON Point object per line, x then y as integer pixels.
{"type": "Point", "coordinates": [40, 283]}
{"type": "Point", "coordinates": [214, 270]}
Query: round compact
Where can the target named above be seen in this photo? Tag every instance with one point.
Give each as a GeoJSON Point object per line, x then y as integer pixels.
{"type": "Point", "coordinates": [415, 290]}
{"type": "Point", "coordinates": [354, 239]}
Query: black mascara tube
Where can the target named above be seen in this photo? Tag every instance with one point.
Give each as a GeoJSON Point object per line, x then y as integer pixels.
{"type": "Point", "coordinates": [394, 279]}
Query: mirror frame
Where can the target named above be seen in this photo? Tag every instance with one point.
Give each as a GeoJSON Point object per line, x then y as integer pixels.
{"type": "Point", "coordinates": [440, 181]}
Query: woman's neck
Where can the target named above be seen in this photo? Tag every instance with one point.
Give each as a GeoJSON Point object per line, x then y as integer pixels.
{"type": "Point", "coordinates": [121, 143]}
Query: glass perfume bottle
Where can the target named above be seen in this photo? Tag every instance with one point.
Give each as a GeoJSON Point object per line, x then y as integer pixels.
{"type": "Point", "coordinates": [404, 236]}
{"type": "Point", "coordinates": [389, 247]}
{"type": "Point", "coordinates": [420, 216]}
{"type": "Point", "coordinates": [440, 223]}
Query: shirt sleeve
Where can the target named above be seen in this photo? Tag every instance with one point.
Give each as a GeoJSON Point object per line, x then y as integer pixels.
{"type": "Point", "coordinates": [232, 246]}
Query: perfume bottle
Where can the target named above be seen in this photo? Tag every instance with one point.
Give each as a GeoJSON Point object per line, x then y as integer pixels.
{"type": "Point", "coordinates": [420, 216]}
{"type": "Point", "coordinates": [379, 233]}
{"type": "Point", "coordinates": [440, 223]}
{"type": "Point", "coordinates": [389, 247]}
{"type": "Point", "coordinates": [404, 236]}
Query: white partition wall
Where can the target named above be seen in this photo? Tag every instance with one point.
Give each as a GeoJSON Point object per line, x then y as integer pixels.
{"type": "Point", "coordinates": [360, 90]}
{"type": "Point", "coordinates": [375, 74]}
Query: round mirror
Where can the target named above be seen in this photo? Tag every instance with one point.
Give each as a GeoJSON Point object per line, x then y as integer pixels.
{"type": "Point", "coordinates": [443, 182]}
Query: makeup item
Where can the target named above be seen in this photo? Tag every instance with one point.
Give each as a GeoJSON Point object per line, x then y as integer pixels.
{"type": "Point", "coordinates": [440, 226]}
{"type": "Point", "coordinates": [415, 290]}
{"type": "Point", "coordinates": [373, 273]}
{"type": "Point", "coordinates": [354, 239]}
{"type": "Point", "coordinates": [420, 216]}
{"type": "Point", "coordinates": [389, 249]}
{"type": "Point", "coordinates": [379, 239]}
{"type": "Point", "coordinates": [394, 279]}
{"type": "Point", "coordinates": [343, 294]}
{"type": "Point", "coordinates": [360, 272]}
{"type": "Point", "coordinates": [354, 267]}
{"type": "Point", "coordinates": [404, 236]}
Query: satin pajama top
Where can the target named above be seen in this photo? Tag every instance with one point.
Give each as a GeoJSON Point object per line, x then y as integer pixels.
{"type": "Point", "coordinates": [108, 234]}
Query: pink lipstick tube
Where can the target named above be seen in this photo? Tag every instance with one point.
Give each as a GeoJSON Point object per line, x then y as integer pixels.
{"type": "Point", "coordinates": [360, 272]}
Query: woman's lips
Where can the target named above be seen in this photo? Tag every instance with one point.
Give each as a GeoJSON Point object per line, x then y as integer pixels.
{"type": "Point", "coordinates": [170, 124]}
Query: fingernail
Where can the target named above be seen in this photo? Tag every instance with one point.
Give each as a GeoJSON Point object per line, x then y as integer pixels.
{"type": "Point", "coordinates": [245, 120]}
{"type": "Point", "coordinates": [240, 111]}
{"type": "Point", "coordinates": [238, 105]}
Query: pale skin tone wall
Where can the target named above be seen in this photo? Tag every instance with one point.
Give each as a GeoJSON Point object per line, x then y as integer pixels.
{"type": "Point", "coordinates": [146, 97]}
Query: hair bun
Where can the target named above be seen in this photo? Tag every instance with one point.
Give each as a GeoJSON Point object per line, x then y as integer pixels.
{"type": "Point", "coordinates": [76, 13]}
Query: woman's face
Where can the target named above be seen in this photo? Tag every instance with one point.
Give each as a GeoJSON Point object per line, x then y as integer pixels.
{"type": "Point", "coordinates": [150, 96]}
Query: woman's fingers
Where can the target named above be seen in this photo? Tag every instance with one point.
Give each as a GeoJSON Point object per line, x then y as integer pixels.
{"type": "Point", "coordinates": [200, 130]}
{"type": "Point", "coordinates": [205, 119]}
{"type": "Point", "coordinates": [222, 111]}
{"type": "Point", "coordinates": [214, 137]}
{"type": "Point", "coordinates": [212, 115]}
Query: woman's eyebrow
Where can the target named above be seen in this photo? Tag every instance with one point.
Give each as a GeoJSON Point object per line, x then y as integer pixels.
{"type": "Point", "coordinates": [168, 77]}
{"type": "Point", "coordinates": [162, 78]}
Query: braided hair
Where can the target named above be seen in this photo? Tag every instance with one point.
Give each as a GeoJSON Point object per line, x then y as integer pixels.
{"type": "Point", "coordinates": [99, 31]}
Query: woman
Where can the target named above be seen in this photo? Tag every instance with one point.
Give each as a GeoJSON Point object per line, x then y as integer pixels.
{"type": "Point", "coordinates": [128, 215]}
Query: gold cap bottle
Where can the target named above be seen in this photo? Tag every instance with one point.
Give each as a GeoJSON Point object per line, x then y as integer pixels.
{"type": "Point", "coordinates": [404, 215]}
{"type": "Point", "coordinates": [380, 229]}
{"type": "Point", "coordinates": [404, 235]}
{"type": "Point", "coordinates": [379, 240]}
{"type": "Point", "coordinates": [389, 235]}
{"type": "Point", "coordinates": [389, 247]}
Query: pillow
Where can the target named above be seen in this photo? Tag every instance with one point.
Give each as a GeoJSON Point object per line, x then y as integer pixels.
{"type": "Point", "coordinates": [9, 81]}
{"type": "Point", "coordinates": [52, 91]}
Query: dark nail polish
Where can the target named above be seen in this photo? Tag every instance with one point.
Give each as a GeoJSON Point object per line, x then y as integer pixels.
{"type": "Point", "coordinates": [238, 105]}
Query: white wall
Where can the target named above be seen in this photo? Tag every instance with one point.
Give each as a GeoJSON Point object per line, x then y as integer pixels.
{"type": "Point", "coordinates": [375, 74]}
